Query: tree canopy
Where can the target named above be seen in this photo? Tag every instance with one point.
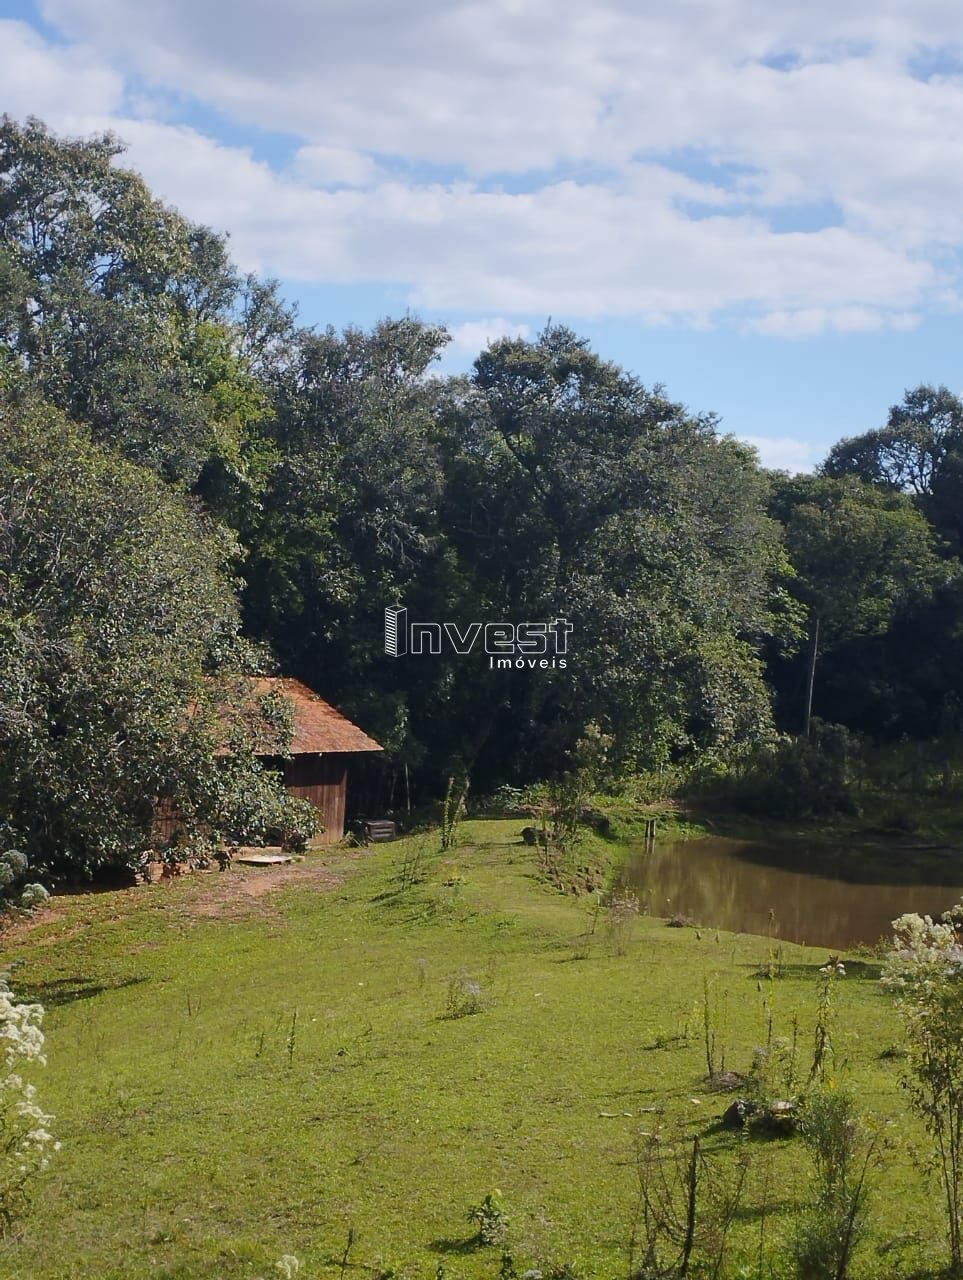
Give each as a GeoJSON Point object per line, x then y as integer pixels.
{"type": "Point", "coordinates": [119, 651]}
{"type": "Point", "coordinates": [193, 486]}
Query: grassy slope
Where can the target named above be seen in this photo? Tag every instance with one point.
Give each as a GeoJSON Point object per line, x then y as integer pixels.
{"type": "Point", "coordinates": [202, 1139]}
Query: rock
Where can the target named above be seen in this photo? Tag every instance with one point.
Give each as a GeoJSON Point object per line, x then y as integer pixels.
{"type": "Point", "coordinates": [775, 1118]}
{"type": "Point", "coordinates": [738, 1112]}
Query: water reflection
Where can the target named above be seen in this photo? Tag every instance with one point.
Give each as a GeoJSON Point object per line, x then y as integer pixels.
{"type": "Point", "coordinates": [823, 895]}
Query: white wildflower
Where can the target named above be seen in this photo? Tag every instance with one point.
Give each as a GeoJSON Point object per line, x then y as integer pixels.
{"type": "Point", "coordinates": [28, 1141]}
{"type": "Point", "coordinates": [33, 895]}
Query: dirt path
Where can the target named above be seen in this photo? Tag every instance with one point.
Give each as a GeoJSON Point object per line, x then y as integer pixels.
{"type": "Point", "coordinates": [242, 892]}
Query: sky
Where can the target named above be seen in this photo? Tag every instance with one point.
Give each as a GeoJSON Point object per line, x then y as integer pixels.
{"type": "Point", "coordinates": [758, 205]}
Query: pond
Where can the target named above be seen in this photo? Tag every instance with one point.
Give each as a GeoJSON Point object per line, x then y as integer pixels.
{"type": "Point", "coordinates": [826, 895]}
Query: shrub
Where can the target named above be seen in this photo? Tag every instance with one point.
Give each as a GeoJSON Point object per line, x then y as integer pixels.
{"type": "Point", "coordinates": [623, 911]}
{"type": "Point", "coordinates": [491, 1219]}
{"type": "Point", "coordinates": [685, 1209]}
{"type": "Point", "coordinates": [842, 1149]}
{"type": "Point", "coordinates": [26, 1143]}
{"type": "Point", "coordinates": [14, 868]}
{"type": "Point", "coordinates": [34, 895]}
{"type": "Point", "coordinates": [925, 970]}
{"type": "Point", "coordinates": [797, 777]}
{"type": "Point", "coordinates": [261, 812]}
{"type": "Point", "coordinates": [465, 996]}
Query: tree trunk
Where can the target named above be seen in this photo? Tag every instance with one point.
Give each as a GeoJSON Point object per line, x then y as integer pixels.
{"type": "Point", "coordinates": [811, 678]}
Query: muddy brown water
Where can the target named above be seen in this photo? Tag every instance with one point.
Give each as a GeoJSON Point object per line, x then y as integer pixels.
{"type": "Point", "coordinates": [828, 896]}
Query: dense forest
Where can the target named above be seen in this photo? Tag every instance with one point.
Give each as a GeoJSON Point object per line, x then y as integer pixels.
{"type": "Point", "coordinates": [194, 487]}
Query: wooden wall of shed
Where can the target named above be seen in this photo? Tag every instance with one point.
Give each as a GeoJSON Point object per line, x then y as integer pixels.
{"type": "Point", "coordinates": [166, 822]}
{"type": "Point", "coordinates": [322, 779]}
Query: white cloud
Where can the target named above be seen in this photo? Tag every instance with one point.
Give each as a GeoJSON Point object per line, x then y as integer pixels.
{"type": "Point", "coordinates": [334, 167]}
{"type": "Point", "coordinates": [807, 322]}
{"type": "Point", "coordinates": [536, 148]}
{"type": "Point", "coordinates": [54, 83]}
{"type": "Point", "coordinates": [583, 249]}
{"type": "Point", "coordinates": [472, 337]}
{"type": "Point", "coordinates": [783, 453]}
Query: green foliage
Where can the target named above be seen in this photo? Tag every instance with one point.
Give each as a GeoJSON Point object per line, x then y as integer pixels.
{"type": "Point", "coordinates": [466, 996]}
{"type": "Point", "coordinates": [576, 492]}
{"type": "Point", "coordinates": [454, 808]}
{"type": "Point", "coordinates": [491, 1218]}
{"type": "Point", "coordinates": [570, 795]}
{"type": "Point", "coordinates": [252, 807]}
{"type": "Point", "coordinates": [795, 778]}
{"type": "Point", "coordinates": [549, 484]}
{"type": "Point", "coordinates": [120, 654]}
{"type": "Point", "coordinates": [925, 970]}
{"type": "Point", "coordinates": [919, 451]}
{"type": "Point", "coordinates": [843, 1149]}
{"type": "Point", "coordinates": [824, 1048]}
{"type": "Point", "coordinates": [348, 523]}
{"type": "Point", "coordinates": [858, 552]}
{"type": "Point", "coordinates": [118, 311]}
{"type": "Point", "coordinates": [13, 867]}
{"type": "Point", "coordinates": [868, 570]}
{"type": "Point", "coordinates": [15, 891]}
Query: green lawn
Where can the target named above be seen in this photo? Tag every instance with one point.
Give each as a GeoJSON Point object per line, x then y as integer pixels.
{"type": "Point", "coordinates": [239, 1077]}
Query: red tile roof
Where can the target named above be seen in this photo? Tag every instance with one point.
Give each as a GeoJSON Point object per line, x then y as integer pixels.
{"type": "Point", "coordinates": [318, 727]}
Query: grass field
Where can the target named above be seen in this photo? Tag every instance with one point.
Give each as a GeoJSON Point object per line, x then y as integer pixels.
{"type": "Point", "coordinates": [239, 1074]}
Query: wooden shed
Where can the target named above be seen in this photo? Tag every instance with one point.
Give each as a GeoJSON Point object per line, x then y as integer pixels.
{"type": "Point", "coordinates": [323, 744]}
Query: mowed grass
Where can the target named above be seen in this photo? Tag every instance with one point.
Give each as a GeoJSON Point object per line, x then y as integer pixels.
{"type": "Point", "coordinates": [232, 1085]}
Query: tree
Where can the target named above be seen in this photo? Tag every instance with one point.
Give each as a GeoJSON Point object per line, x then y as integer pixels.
{"type": "Point", "coordinates": [920, 452]}
{"type": "Point", "coordinates": [120, 654]}
{"type": "Point", "coordinates": [860, 554]}
{"type": "Point", "coordinates": [349, 521]}
{"type": "Point", "coordinates": [122, 313]}
{"type": "Point", "coordinates": [574, 491]}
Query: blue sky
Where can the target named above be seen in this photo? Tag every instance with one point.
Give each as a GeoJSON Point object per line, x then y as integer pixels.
{"type": "Point", "coordinates": [759, 206]}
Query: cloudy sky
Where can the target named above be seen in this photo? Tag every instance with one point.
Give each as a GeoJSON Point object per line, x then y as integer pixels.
{"type": "Point", "coordinates": [758, 205]}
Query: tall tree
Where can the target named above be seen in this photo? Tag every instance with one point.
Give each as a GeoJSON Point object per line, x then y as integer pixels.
{"type": "Point", "coordinates": [119, 311]}
{"type": "Point", "coordinates": [348, 524]}
{"type": "Point", "coordinates": [860, 554]}
{"type": "Point", "coordinates": [920, 452]}
{"type": "Point", "coordinates": [575, 491]}
{"type": "Point", "coordinates": [120, 654]}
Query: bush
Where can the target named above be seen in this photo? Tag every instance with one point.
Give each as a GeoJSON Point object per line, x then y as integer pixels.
{"type": "Point", "coordinates": [26, 1143]}
{"type": "Point", "coordinates": [14, 892]}
{"type": "Point", "coordinates": [925, 970]}
{"type": "Point", "coordinates": [260, 811]}
{"type": "Point", "coordinates": [842, 1149]}
{"type": "Point", "coordinates": [491, 1219]}
{"type": "Point", "coordinates": [798, 777]}
{"type": "Point", "coordinates": [465, 997]}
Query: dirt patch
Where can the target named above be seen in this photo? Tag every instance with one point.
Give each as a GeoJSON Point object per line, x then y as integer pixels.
{"type": "Point", "coordinates": [242, 892]}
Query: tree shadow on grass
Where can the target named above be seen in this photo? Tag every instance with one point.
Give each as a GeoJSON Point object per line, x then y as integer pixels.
{"type": "Point", "coordinates": [458, 1248]}
{"type": "Point", "coordinates": [64, 991]}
